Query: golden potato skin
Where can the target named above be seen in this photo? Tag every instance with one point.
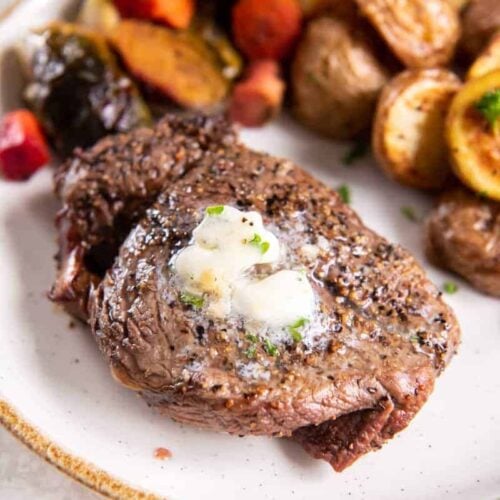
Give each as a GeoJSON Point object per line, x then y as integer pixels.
{"type": "Point", "coordinates": [408, 132]}
{"type": "Point", "coordinates": [462, 236]}
{"type": "Point", "coordinates": [474, 147]}
{"type": "Point", "coordinates": [421, 33]}
{"type": "Point", "coordinates": [481, 19]}
{"type": "Point", "coordinates": [458, 4]}
{"type": "Point", "coordinates": [488, 60]}
{"type": "Point", "coordinates": [336, 78]}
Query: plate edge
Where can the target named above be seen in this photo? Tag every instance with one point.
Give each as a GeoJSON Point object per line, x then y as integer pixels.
{"type": "Point", "coordinates": [76, 468]}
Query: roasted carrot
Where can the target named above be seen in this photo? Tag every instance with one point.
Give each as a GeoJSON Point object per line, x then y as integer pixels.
{"type": "Point", "coordinates": [266, 29]}
{"type": "Point", "coordinates": [259, 96]}
{"type": "Point", "coordinates": [23, 149]}
{"type": "Point", "coordinates": [174, 13]}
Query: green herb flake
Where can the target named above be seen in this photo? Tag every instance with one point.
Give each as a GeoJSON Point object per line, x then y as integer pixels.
{"type": "Point", "coordinates": [409, 213]}
{"type": "Point", "coordinates": [415, 339]}
{"type": "Point", "coordinates": [252, 338]}
{"type": "Point", "coordinates": [358, 150]}
{"type": "Point", "coordinates": [345, 193]}
{"type": "Point", "coordinates": [256, 241]}
{"type": "Point", "coordinates": [294, 329]}
{"type": "Point", "coordinates": [251, 352]}
{"type": "Point", "coordinates": [264, 247]}
{"type": "Point", "coordinates": [215, 210]}
{"type": "Point", "coordinates": [270, 348]}
{"type": "Point", "coordinates": [193, 300]}
{"type": "Point", "coordinates": [450, 287]}
{"type": "Point", "coordinates": [489, 107]}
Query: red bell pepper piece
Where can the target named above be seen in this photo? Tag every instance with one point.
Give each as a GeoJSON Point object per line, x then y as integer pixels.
{"type": "Point", "coordinates": [23, 148]}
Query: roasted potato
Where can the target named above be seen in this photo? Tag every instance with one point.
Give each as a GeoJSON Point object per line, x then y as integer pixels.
{"type": "Point", "coordinates": [481, 19]}
{"type": "Point", "coordinates": [488, 60]}
{"type": "Point", "coordinates": [180, 65]}
{"type": "Point", "coordinates": [462, 236]}
{"type": "Point", "coordinates": [421, 33]}
{"type": "Point", "coordinates": [458, 4]}
{"type": "Point", "coordinates": [408, 132]}
{"type": "Point", "coordinates": [473, 134]}
{"type": "Point", "coordinates": [336, 78]}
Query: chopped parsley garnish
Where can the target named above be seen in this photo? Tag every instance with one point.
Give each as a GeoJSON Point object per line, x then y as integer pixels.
{"type": "Point", "coordinates": [256, 241]}
{"type": "Point", "coordinates": [358, 150]}
{"type": "Point", "coordinates": [251, 352]}
{"type": "Point", "coordinates": [345, 193]}
{"type": "Point", "coordinates": [270, 348]}
{"type": "Point", "coordinates": [450, 287]}
{"type": "Point", "coordinates": [489, 107]}
{"type": "Point", "coordinates": [415, 339]}
{"type": "Point", "coordinates": [193, 300]}
{"type": "Point", "coordinates": [294, 329]}
{"type": "Point", "coordinates": [409, 213]}
{"type": "Point", "coordinates": [215, 210]}
{"type": "Point", "coordinates": [252, 338]}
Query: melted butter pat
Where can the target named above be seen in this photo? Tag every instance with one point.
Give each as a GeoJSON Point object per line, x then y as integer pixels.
{"type": "Point", "coordinates": [226, 245]}
{"type": "Point", "coordinates": [277, 301]}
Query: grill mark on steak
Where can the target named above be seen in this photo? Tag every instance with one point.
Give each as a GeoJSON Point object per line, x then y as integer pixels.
{"type": "Point", "coordinates": [386, 334]}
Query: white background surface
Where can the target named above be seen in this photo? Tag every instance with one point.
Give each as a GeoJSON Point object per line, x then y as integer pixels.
{"type": "Point", "coordinates": [54, 376]}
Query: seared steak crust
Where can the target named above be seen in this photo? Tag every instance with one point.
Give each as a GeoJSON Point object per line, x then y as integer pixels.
{"type": "Point", "coordinates": [104, 189]}
{"type": "Point", "coordinates": [463, 235]}
{"type": "Point", "coordinates": [383, 332]}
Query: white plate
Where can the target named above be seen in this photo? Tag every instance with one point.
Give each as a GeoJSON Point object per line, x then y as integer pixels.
{"type": "Point", "coordinates": [54, 378]}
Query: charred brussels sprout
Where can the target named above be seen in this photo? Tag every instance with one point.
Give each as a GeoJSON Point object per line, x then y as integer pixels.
{"type": "Point", "coordinates": [77, 89]}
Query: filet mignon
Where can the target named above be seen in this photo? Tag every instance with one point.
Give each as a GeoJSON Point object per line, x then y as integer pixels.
{"type": "Point", "coordinates": [463, 235]}
{"type": "Point", "coordinates": [104, 189]}
{"type": "Point", "coordinates": [379, 337]}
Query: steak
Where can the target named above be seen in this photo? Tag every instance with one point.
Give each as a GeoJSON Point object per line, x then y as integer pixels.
{"type": "Point", "coordinates": [104, 189]}
{"type": "Point", "coordinates": [380, 336]}
{"type": "Point", "coordinates": [463, 235]}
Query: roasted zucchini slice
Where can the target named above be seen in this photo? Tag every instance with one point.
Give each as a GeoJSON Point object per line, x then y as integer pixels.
{"type": "Point", "coordinates": [177, 64]}
{"type": "Point", "coordinates": [487, 61]}
{"type": "Point", "coordinates": [473, 134]}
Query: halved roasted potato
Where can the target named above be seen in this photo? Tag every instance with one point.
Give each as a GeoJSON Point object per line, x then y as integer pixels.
{"type": "Point", "coordinates": [408, 132]}
{"type": "Point", "coordinates": [422, 33]}
{"type": "Point", "coordinates": [336, 77]}
{"type": "Point", "coordinates": [473, 134]}
{"type": "Point", "coordinates": [488, 60]}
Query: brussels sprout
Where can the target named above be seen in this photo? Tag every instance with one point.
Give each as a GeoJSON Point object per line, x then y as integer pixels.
{"type": "Point", "coordinates": [77, 89]}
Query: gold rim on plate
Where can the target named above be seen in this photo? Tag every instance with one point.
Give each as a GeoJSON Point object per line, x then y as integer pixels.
{"type": "Point", "coordinates": [76, 468]}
